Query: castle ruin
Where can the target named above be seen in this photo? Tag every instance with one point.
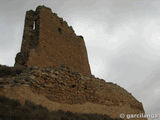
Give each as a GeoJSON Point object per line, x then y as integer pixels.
{"type": "Point", "coordinates": [49, 41]}
{"type": "Point", "coordinates": [39, 77]}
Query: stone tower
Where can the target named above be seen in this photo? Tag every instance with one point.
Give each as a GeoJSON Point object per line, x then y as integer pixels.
{"type": "Point", "coordinates": [49, 41]}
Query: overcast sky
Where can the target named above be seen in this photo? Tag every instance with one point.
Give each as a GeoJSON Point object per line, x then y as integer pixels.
{"type": "Point", "coordinates": [122, 39]}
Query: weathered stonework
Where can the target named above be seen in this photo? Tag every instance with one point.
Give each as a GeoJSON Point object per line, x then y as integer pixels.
{"type": "Point", "coordinates": [59, 88]}
{"type": "Point", "coordinates": [48, 41]}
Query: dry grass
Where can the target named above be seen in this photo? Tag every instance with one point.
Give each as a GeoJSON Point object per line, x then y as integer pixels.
{"type": "Point", "coordinates": [12, 110]}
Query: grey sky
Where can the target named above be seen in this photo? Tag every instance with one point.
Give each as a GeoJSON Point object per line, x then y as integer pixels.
{"type": "Point", "coordinates": [122, 39]}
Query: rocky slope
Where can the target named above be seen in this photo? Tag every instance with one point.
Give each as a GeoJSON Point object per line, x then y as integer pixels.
{"type": "Point", "coordinates": [58, 88]}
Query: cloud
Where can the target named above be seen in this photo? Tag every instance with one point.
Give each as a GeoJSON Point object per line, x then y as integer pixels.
{"type": "Point", "coordinates": [149, 88]}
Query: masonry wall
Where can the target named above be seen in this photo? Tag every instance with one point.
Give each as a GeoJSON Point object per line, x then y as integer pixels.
{"type": "Point", "coordinates": [48, 41]}
{"type": "Point", "coordinates": [58, 88]}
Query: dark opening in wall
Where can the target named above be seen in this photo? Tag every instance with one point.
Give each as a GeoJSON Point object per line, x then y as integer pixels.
{"type": "Point", "coordinates": [60, 30]}
{"type": "Point", "coordinates": [73, 86]}
{"type": "Point", "coordinates": [85, 87]}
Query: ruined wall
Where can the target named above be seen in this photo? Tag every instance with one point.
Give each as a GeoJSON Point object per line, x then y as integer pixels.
{"type": "Point", "coordinates": [62, 89]}
{"type": "Point", "coordinates": [48, 41]}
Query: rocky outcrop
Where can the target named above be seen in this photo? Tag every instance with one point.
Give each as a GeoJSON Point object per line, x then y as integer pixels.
{"type": "Point", "coordinates": [10, 71]}
{"type": "Point", "coordinates": [59, 88]}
